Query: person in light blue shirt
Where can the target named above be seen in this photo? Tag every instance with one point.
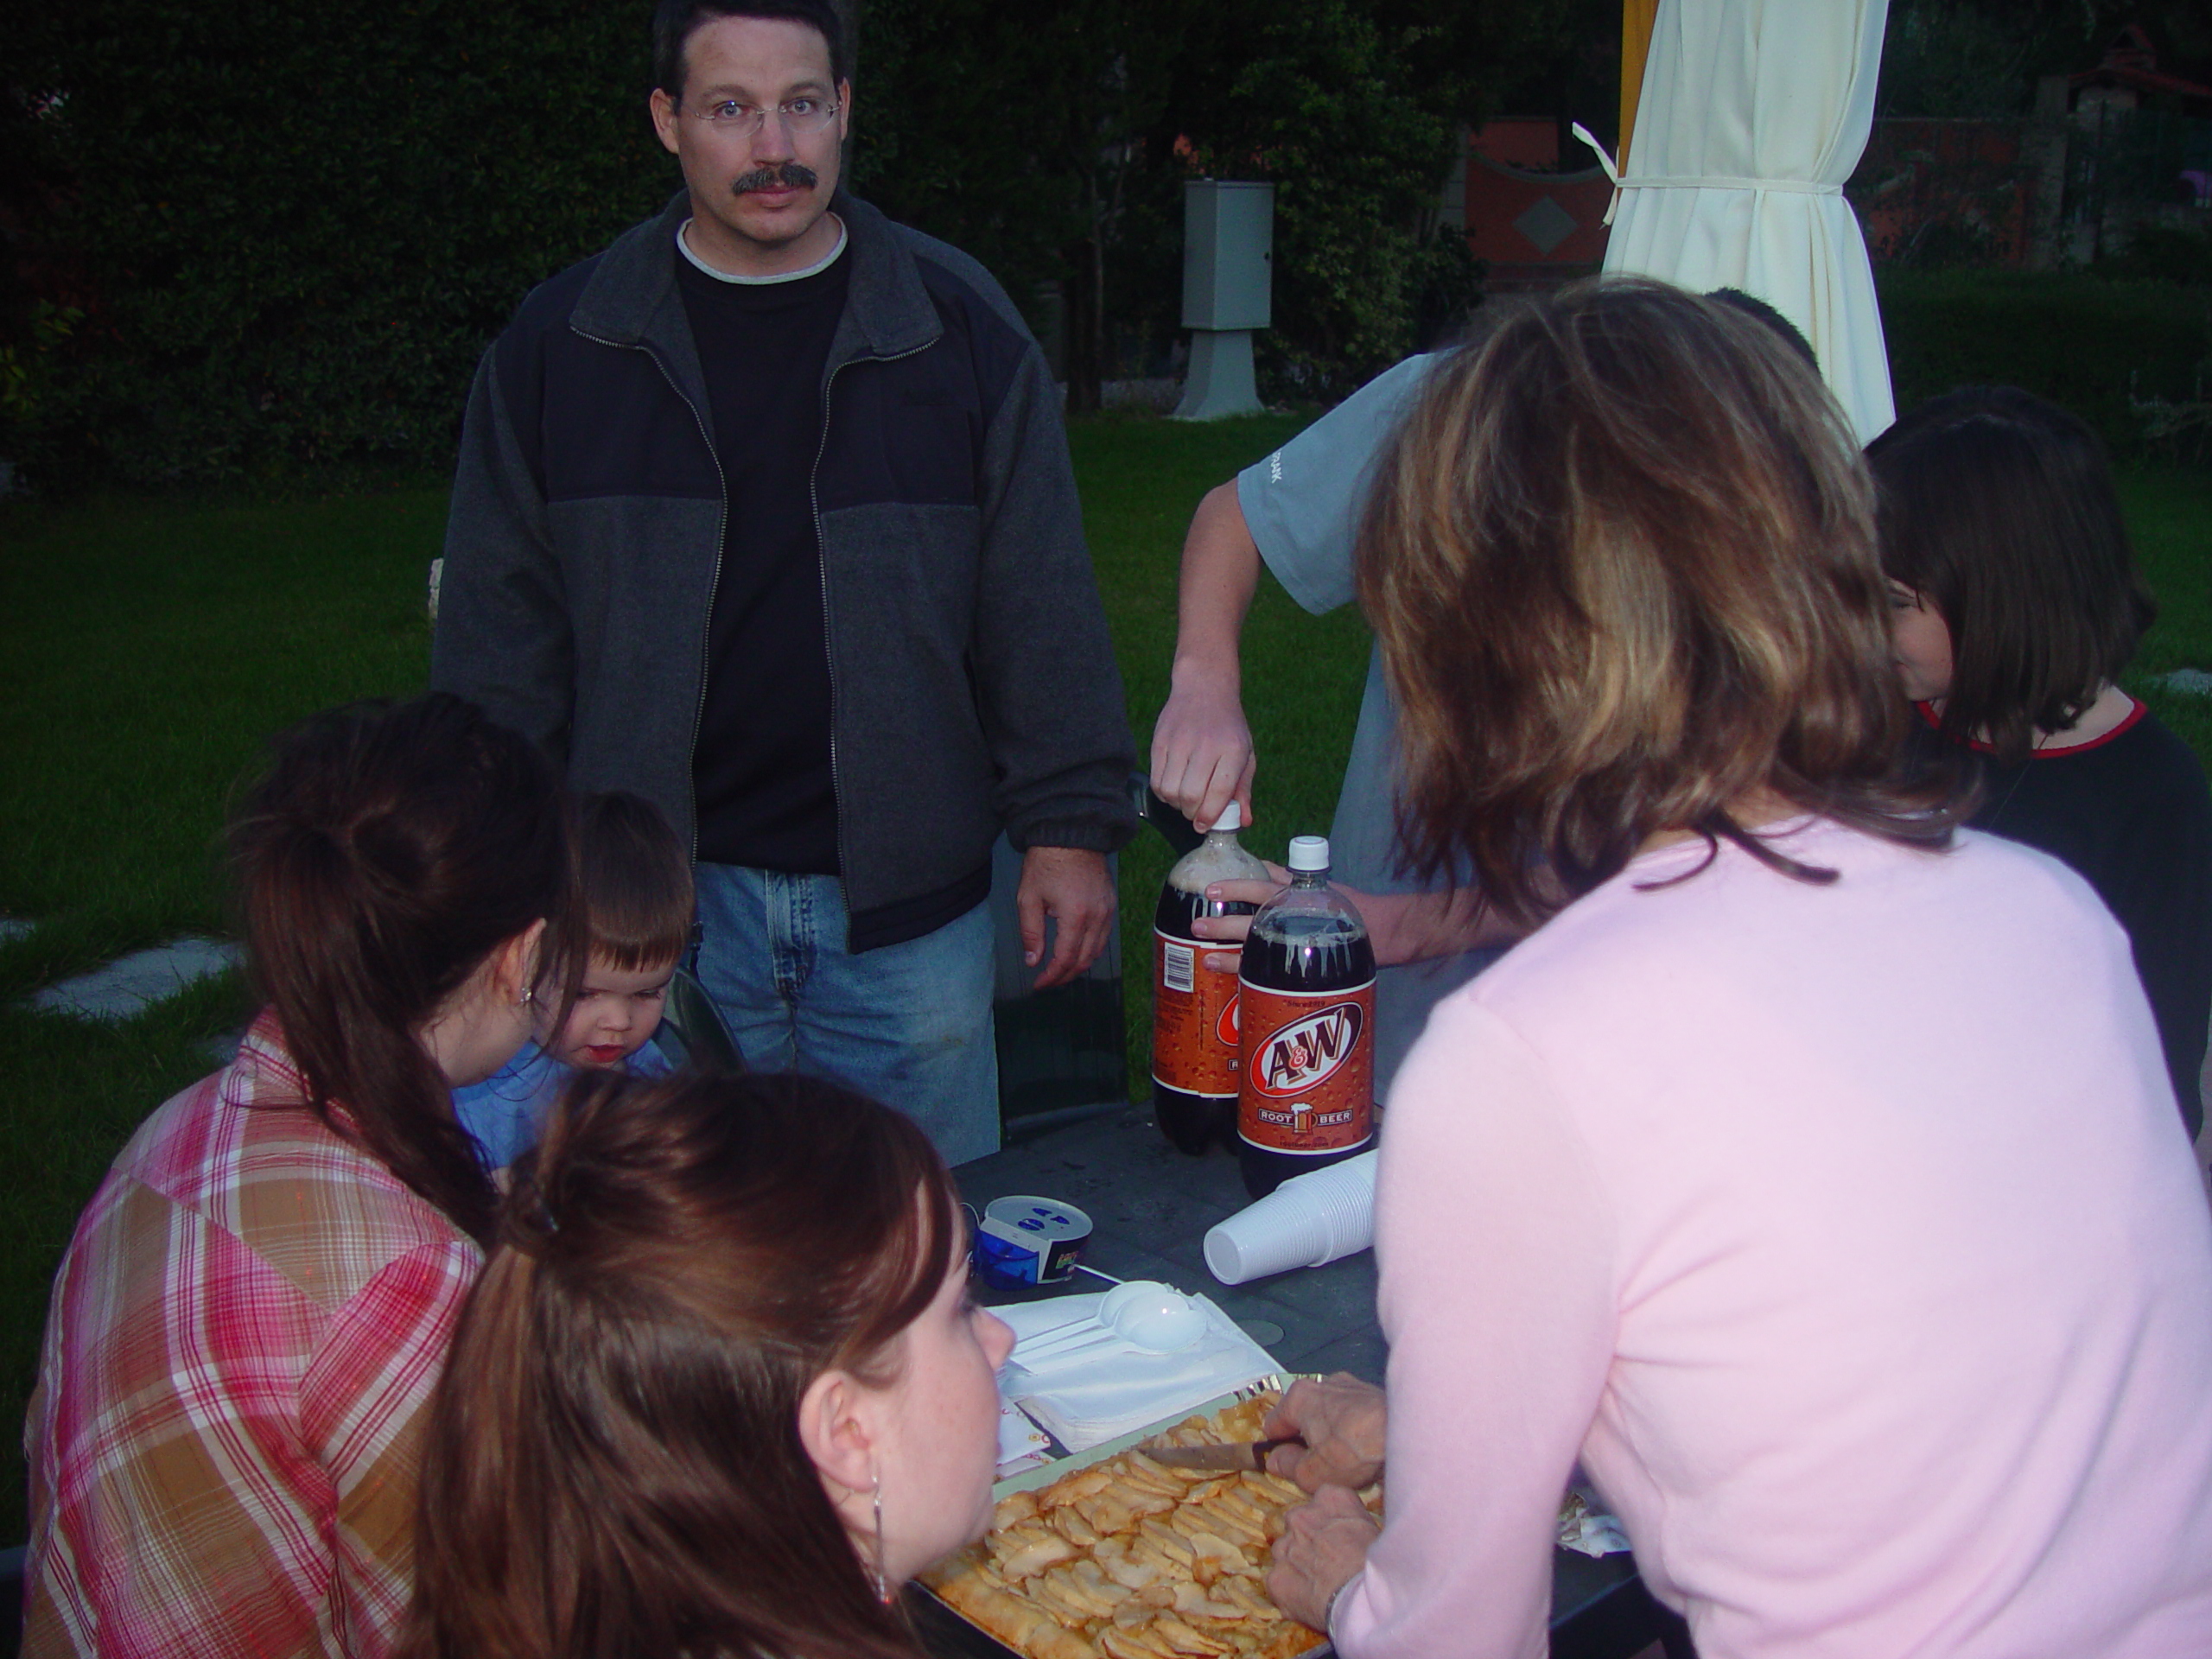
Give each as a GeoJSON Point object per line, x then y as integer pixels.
{"type": "Point", "coordinates": [638, 897]}
{"type": "Point", "coordinates": [1296, 514]}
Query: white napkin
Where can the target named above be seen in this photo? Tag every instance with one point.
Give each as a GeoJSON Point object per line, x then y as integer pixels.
{"type": "Point", "coordinates": [1022, 1444]}
{"type": "Point", "coordinates": [1087, 1398]}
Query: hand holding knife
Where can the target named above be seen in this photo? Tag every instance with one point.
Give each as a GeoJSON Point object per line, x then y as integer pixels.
{"type": "Point", "coordinates": [1335, 1429]}
{"type": "Point", "coordinates": [1336, 1425]}
{"type": "Point", "coordinates": [1236, 1454]}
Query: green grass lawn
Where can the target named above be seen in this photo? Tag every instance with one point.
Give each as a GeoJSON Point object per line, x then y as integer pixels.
{"type": "Point", "coordinates": [147, 649]}
{"type": "Point", "coordinates": [2169, 518]}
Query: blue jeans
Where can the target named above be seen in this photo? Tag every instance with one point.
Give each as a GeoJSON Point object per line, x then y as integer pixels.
{"type": "Point", "coordinates": [908, 1024]}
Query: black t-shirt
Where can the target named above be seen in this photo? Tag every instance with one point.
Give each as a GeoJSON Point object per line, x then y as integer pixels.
{"type": "Point", "coordinates": [760, 770]}
{"type": "Point", "coordinates": [2132, 814]}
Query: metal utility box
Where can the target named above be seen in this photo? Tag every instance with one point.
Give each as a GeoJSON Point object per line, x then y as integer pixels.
{"type": "Point", "coordinates": [1228, 232]}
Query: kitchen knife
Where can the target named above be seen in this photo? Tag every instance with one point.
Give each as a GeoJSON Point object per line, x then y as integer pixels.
{"type": "Point", "coordinates": [1242, 1454]}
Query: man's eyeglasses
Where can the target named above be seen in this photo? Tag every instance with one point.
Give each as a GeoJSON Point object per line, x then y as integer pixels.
{"type": "Point", "coordinates": [800, 115]}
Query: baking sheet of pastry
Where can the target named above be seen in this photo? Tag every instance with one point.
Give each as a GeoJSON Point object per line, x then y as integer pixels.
{"type": "Point", "coordinates": [1111, 1555]}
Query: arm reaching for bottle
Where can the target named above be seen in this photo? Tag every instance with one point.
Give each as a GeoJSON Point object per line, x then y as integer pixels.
{"type": "Point", "coordinates": [1202, 755]}
{"type": "Point", "coordinates": [1401, 927]}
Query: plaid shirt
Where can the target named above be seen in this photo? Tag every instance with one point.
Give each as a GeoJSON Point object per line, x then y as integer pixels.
{"type": "Point", "coordinates": [237, 1366]}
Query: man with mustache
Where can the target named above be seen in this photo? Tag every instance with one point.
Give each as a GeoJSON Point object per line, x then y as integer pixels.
{"type": "Point", "coordinates": [765, 513]}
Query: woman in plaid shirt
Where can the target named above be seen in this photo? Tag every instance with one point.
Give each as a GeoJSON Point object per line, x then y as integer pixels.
{"type": "Point", "coordinates": [249, 1322]}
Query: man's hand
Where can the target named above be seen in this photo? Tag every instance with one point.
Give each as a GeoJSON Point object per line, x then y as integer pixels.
{"type": "Point", "coordinates": [1327, 1543]}
{"type": "Point", "coordinates": [1341, 1419]}
{"type": "Point", "coordinates": [1201, 745]}
{"type": "Point", "coordinates": [1071, 886]}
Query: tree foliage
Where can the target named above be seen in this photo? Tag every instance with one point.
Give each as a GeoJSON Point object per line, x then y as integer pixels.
{"type": "Point", "coordinates": [1054, 144]}
{"type": "Point", "coordinates": [280, 235]}
{"type": "Point", "coordinates": [1016, 135]}
{"type": "Point", "coordinates": [1325, 105]}
{"type": "Point", "coordinates": [1982, 58]}
{"type": "Point", "coordinates": [298, 225]}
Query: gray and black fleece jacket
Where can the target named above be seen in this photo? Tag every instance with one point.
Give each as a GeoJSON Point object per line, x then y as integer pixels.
{"type": "Point", "coordinates": [972, 685]}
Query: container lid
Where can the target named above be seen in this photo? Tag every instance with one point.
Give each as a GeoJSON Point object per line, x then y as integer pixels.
{"type": "Point", "coordinates": [1309, 852]}
{"type": "Point", "coordinates": [1232, 818]}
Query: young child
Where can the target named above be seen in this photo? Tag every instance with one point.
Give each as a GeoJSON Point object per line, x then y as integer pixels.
{"type": "Point", "coordinates": [2015, 603]}
{"type": "Point", "coordinates": [636, 882]}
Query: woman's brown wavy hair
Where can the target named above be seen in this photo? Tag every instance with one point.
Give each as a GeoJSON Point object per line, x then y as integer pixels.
{"type": "Point", "coordinates": [388, 850]}
{"type": "Point", "coordinates": [1620, 559]}
{"type": "Point", "coordinates": [613, 1465]}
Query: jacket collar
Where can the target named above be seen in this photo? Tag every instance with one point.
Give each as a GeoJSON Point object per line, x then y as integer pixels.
{"type": "Point", "coordinates": [632, 300]}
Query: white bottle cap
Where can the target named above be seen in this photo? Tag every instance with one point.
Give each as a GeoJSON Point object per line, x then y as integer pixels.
{"type": "Point", "coordinates": [1309, 852]}
{"type": "Point", "coordinates": [1232, 818]}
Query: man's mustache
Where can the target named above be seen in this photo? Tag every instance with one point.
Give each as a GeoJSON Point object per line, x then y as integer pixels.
{"type": "Point", "coordinates": [791, 174]}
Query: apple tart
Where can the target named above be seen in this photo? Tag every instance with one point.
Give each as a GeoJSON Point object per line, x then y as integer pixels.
{"type": "Point", "coordinates": [1132, 1559]}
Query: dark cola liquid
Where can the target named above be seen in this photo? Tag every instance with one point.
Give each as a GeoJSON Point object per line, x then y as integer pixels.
{"type": "Point", "coordinates": [1305, 953]}
{"type": "Point", "coordinates": [1192, 1122]}
{"type": "Point", "coordinates": [1308, 953]}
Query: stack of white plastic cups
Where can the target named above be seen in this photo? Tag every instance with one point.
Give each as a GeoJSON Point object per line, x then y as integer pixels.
{"type": "Point", "coordinates": [1307, 1222]}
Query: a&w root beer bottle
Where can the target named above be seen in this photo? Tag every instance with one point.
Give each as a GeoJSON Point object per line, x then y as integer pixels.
{"type": "Point", "coordinates": [1194, 1047]}
{"type": "Point", "coordinates": [1305, 1010]}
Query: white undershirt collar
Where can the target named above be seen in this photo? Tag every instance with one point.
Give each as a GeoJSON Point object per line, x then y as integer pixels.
{"type": "Point", "coordinates": [684, 246]}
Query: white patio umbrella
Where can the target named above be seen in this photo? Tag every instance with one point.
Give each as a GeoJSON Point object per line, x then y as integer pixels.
{"type": "Point", "coordinates": [1752, 114]}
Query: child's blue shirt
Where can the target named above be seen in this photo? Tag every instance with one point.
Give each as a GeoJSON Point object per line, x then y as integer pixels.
{"type": "Point", "coordinates": [506, 1112]}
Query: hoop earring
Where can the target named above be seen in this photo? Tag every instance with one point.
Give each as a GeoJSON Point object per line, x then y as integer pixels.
{"type": "Point", "coordinates": [882, 1579]}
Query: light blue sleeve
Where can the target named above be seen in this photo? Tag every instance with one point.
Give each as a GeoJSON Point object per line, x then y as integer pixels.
{"type": "Point", "coordinates": [1302, 504]}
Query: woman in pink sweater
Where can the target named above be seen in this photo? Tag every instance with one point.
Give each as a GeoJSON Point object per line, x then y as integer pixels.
{"type": "Point", "coordinates": [1811, 1175]}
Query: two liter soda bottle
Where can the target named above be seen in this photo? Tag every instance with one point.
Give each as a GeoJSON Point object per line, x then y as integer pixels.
{"type": "Point", "coordinates": [1279, 1061]}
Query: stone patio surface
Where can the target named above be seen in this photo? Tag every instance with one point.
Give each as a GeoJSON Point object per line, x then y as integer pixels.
{"type": "Point", "coordinates": [128, 987]}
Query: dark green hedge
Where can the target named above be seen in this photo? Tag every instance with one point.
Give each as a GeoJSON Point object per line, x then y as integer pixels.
{"type": "Point", "coordinates": [290, 229]}
{"type": "Point", "coordinates": [2081, 340]}
{"type": "Point", "coordinates": [294, 227]}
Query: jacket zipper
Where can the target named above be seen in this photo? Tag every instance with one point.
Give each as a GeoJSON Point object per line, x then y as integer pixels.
{"type": "Point", "coordinates": [821, 571]}
{"type": "Point", "coordinates": [721, 532]}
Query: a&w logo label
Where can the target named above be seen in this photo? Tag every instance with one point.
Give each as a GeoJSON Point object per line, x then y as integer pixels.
{"type": "Point", "coordinates": [1303, 1055]}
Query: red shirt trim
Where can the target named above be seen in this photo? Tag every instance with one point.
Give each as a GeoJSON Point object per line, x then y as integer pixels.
{"type": "Point", "coordinates": [2132, 717]}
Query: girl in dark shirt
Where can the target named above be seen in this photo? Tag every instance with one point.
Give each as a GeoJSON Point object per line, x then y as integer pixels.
{"type": "Point", "coordinates": [2017, 604]}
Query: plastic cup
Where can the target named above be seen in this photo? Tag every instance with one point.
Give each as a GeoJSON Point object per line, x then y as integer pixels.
{"type": "Point", "coordinates": [1307, 1222]}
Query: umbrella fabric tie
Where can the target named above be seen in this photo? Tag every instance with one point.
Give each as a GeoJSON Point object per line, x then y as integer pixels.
{"type": "Point", "coordinates": [1692, 181]}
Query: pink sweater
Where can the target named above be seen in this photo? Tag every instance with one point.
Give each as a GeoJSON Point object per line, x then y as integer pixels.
{"type": "Point", "coordinates": [1848, 1236]}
